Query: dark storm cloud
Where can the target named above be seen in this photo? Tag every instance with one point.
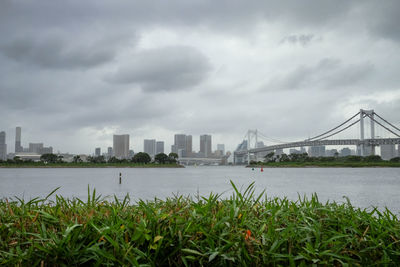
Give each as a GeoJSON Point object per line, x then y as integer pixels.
{"type": "Point", "coordinates": [56, 53]}
{"type": "Point", "coordinates": [164, 69]}
{"type": "Point", "coordinates": [328, 73]}
{"type": "Point", "coordinates": [382, 19]}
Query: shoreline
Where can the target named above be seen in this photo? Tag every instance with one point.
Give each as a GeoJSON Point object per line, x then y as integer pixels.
{"type": "Point", "coordinates": [317, 166]}
{"type": "Point", "coordinates": [90, 167]}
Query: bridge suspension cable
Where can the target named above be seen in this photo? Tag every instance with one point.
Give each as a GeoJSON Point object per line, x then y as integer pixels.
{"type": "Point", "coordinates": [347, 127]}
{"type": "Point", "coordinates": [387, 122]}
{"type": "Point", "coordinates": [382, 125]}
{"type": "Point", "coordinates": [271, 139]}
{"type": "Point", "coordinates": [315, 137]}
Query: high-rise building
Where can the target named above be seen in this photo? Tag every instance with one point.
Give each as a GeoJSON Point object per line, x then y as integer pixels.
{"type": "Point", "coordinates": [97, 152]}
{"type": "Point", "coordinates": [3, 146]}
{"type": "Point", "coordinates": [388, 152]}
{"type": "Point", "coordinates": [159, 147]}
{"type": "Point", "coordinates": [18, 147]}
{"type": "Point", "coordinates": [109, 152]}
{"type": "Point", "coordinates": [35, 147]}
{"type": "Point", "coordinates": [121, 146]}
{"type": "Point", "coordinates": [221, 147]}
{"type": "Point", "coordinates": [149, 147]}
{"type": "Point", "coordinates": [205, 145]}
{"type": "Point", "coordinates": [182, 145]}
{"type": "Point", "coordinates": [189, 147]}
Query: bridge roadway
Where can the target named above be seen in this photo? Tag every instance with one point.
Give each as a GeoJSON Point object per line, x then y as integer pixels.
{"type": "Point", "coordinates": [337, 142]}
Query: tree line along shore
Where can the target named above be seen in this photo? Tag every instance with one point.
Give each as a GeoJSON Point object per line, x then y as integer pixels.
{"type": "Point", "coordinates": [244, 229]}
{"type": "Point", "coordinates": [139, 160]}
{"type": "Point", "coordinates": [303, 160]}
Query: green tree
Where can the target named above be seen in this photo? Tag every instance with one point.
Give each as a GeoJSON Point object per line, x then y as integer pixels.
{"type": "Point", "coordinates": [113, 160]}
{"type": "Point", "coordinates": [141, 157]}
{"type": "Point", "coordinates": [77, 159]}
{"type": "Point", "coordinates": [161, 158]}
{"type": "Point", "coordinates": [372, 158]}
{"type": "Point", "coordinates": [269, 157]}
{"type": "Point", "coordinates": [49, 158]}
{"type": "Point", "coordinates": [173, 157]}
{"type": "Point", "coordinates": [17, 160]}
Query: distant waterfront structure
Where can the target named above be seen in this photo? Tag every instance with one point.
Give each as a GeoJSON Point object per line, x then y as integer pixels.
{"type": "Point", "coordinates": [221, 148]}
{"type": "Point", "coordinates": [97, 152]}
{"type": "Point", "coordinates": [388, 152]}
{"type": "Point", "coordinates": [159, 147]}
{"type": "Point", "coordinates": [131, 154]}
{"type": "Point", "coordinates": [109, 152]}
{"type": "Point", "coordinates": [121, 146]}
{"type": "Point", "coordinates": [149, 147]}
{"type": "Point", "coordinates": [3, 146]}
{"type": "Point", "coordinates": [39, 148]}
{"type": "Point", "coordinates": [18, 147]}
{"type": "Point", "coordinates": [345, 152]}
{"type": "Point", "coordinates": [331, 152]}
{"type": "Point", "coordinates": [316, 151]}
{"type": "Point", "coordinates": [35, 147]}
{"type": "Point", "coordinates": [205, 145]}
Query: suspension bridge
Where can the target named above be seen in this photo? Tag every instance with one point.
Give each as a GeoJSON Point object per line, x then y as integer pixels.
{"type": "Point", "coordinates": [251, 147]}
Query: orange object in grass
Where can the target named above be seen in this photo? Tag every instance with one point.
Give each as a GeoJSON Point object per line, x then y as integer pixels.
{"type": "Point", "coordinates": [248, 234]}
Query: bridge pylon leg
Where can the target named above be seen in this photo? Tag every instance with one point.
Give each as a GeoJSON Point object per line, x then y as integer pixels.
{"type": "Point", "coordinates": [362, 132]}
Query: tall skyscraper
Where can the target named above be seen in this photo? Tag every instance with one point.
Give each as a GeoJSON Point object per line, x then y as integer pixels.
{"type": "Point", "coordinates": [121, 146]}
{"type": "Point", "coordinates": [221, 148]}
{"type": "Point", "coordinates": [3, 146]}
{"type": "Point", "coordinates": [159, 147]}
{"type": "Point", "coordinates": [97, 151]}
{"type": "Point", "coordinates": [180, 141]}
{"type": "Point", "coordinates": [109, 152]}
{"type": "Point", "coordinates": [149, 147]}
{"type": "Point", "coordinates": [18, 147]}
{"type": "Point", "coordinates": [205, 145]}
{"type": "Point", "coordinates": [188, 147]}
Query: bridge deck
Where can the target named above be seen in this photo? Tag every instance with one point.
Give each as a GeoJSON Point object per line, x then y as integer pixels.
{"type": "Point", "coordinates": [337, 142]}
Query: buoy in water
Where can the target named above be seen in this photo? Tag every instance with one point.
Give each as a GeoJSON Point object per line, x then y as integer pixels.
{"type": "Point", "coordinates": [252, 169]}
{"type": "Point", "coordinates": [120, 180]}
{"type": "Point", "coordinates": [262, 169]}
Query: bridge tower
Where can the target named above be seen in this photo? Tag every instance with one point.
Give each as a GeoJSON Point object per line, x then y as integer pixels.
{"type": "Point", "coordinates": [362, 115]}
{"type": "Point", "coordinates": [252, 138]}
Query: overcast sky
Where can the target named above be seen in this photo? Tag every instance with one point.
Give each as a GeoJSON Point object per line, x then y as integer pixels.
{"type": "Point", "coordinates": [73, 73]}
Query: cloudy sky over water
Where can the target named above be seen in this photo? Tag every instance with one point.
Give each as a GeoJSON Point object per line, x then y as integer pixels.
{"type": "Point", "coordinates": [73, 73]}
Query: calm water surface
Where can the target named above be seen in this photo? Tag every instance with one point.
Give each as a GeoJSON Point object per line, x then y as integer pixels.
{"type": "Point", "coordinates": [366, 187]}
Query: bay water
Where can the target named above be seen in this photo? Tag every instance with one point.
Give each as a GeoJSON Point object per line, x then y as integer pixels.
{"type": "Point", "coordinates": [365, 187]}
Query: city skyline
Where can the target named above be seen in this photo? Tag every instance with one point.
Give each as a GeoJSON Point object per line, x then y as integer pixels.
{"type": "Point", "coordinates": [154, 70]}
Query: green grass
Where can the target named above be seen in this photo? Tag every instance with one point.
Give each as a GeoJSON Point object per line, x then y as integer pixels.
{"type": "Point", "coordinates": [244, 229]}
{"type": "Point", "coordinates": [88, 165]}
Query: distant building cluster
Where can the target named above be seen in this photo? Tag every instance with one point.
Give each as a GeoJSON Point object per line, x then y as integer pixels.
{"type": "Point", "coordinates": [33, 151]}
{"type": "Point", "coordinates": [182, 146]}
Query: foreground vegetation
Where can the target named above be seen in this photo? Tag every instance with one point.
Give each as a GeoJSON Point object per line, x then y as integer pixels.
{"type": "Point", "coordinates": [303, 160]}
{"type": "Point", "coordinates": [244, 229]}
